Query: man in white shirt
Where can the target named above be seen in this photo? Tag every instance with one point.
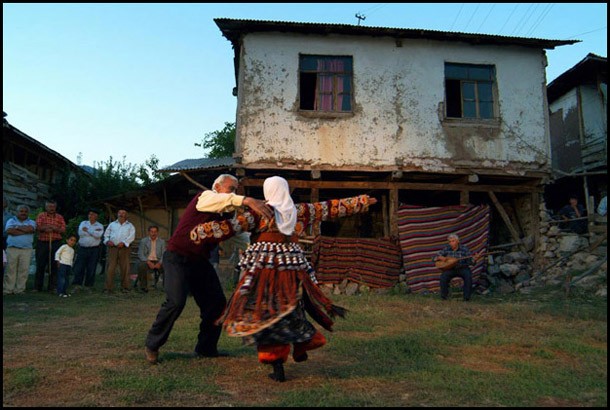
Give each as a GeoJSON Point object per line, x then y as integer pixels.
{"type": "Point", "coordinates": [117, 238]}
{"type": "Point", "coordinates": [90, 234]}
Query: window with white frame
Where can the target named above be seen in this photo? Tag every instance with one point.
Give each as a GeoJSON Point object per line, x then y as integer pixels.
{"type": "Point", "coordinates": [469, 90]}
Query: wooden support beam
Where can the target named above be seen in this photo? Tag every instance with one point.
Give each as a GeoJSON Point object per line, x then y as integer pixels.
{"type": "Point", "coordinates": [535, 228]}
{"type": "Point", "coordinates": [385, 214]}
{"type": "Point", "coordinates": [315, 195]}
{"type": "Point", "coordinates": [188, 177]}
{"type": "Point", "coordinates": [505, 217]}
{"type": "Point", "coordinates": [142, 216]}
{"type": "Point", "coordinates": [393, 212]}
{"type": "Point", "coordinates": [368, 185]}
{"type": "Point", "coordinates": [464, 197]}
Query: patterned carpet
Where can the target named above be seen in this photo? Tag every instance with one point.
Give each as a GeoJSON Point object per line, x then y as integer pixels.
{"type": "Point", "coordinates": [372, 262]}
{"type": "Point", "coordinates": [423, 232]}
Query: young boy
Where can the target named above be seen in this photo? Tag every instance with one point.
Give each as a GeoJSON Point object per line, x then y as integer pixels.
{"type": "Point", "coordinates": [64, 257]}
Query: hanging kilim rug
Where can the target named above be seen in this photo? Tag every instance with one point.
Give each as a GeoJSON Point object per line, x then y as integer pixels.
{"type": "Point", "coordinates": [423, 232]}
{"type": "Point", "coordinates": [372, 262]}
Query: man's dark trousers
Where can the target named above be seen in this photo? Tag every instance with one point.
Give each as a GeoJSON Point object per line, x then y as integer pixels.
{"type": "Point", "coordinates": [197, 276]}
{"type": "Point", "coordinates": [462, 272]}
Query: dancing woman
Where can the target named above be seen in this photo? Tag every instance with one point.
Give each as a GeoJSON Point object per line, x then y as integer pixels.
{"type": "Point", "coordinates": [278, 285]}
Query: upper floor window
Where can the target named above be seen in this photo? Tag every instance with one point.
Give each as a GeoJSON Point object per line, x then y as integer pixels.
{"type": "Point", "coordinates": [469, 90]}
{"type": "Point", "coordinates": [325, 83]}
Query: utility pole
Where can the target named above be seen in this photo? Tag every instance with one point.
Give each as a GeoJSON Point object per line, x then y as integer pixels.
{"type": "Point", "coordinates": [360, 17]}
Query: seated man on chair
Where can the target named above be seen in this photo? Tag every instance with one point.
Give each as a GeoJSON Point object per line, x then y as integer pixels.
{"type": "Point", "coordinates": [462, 259]}
{"type": "Point", "coordinates": [150, 253]}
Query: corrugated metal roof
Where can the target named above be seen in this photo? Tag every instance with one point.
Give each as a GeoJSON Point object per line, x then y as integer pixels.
{"type": "Point", "coordinates": [589, 70]}
{"type": "Point", "coordinates": [232, 29]}
{"type": "Point", "coordinates": [199, 164]}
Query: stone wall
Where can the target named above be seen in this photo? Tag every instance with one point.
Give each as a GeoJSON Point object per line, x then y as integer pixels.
{"type": "Point", "coordinates": [22, 187]}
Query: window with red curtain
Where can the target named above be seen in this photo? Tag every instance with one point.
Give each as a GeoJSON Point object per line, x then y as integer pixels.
{"type": "Point", "coordinates": [325, 83]}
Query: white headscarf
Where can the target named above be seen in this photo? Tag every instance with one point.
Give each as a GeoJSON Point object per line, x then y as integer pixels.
{"type": "Point", "coordinates": [277, 194]}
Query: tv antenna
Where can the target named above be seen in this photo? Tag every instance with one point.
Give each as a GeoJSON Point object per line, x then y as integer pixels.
{"type": "Point", "coordinates": [360, 17]}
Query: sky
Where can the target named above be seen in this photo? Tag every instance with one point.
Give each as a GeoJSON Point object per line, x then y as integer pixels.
{"type": "Point", "coordinates": [94, 81]}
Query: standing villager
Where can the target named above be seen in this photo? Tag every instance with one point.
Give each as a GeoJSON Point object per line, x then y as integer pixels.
{"type": "Point", "coordinates": [278, 284]}
{"type": "Point", "coordinates": [65, 258]}
{"type": "Point", "coordinates": [90, 234]}
{"type": "Point", "coordinates": [6, 215]}
{"type": "Point", "coordinates": [20, 237]}
{"type": "Point", "coordinates": [50, 226]}
{"type": "Point", "coordinates": [117, 238]}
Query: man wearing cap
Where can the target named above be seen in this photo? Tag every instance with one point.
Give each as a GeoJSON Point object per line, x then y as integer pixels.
{"type": "Point", "coordinates": [90, 233]}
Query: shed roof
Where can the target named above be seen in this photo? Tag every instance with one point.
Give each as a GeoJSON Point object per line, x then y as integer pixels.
{"type": "Point", "coordinates": [199, 164]}
{"type": "Point", "coordinates": [16, 135]}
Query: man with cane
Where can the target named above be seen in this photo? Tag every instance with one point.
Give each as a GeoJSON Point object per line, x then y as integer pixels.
{"type": "Point", "coordinates": [50, 226]}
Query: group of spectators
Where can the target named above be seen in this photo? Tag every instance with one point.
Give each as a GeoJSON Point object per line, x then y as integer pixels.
{"type": "Point", "coordinates": [24, 237]}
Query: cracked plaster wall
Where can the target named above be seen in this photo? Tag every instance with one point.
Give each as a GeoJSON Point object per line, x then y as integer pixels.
{"type": "Point", "coordinates": [398, 105]}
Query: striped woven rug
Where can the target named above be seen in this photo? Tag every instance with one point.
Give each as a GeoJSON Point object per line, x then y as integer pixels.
{"type": "Point", "coordinates": [423, 232]}
{"type": "Point", "coordinates": [372, 262]}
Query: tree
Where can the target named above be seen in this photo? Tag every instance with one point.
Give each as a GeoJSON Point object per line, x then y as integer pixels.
{"type": "Point", "coordinates": [221, 143]}
{"type": "Point", "coordinates": [74, 191]}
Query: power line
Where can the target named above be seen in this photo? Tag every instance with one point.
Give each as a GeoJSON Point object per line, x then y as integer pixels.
{"type": "Point", "coordinates": [361, 16]}
{"type": "Point", "coordinates": [528, 17]}
{"type": "Point", "coordinates": [375, 9]}
{"type": "Point", "coordinates": [510, 15]}
{"type": "Point", "coordinates": [456, 17]}
{"type": "Point", "coordinates": [543, 14]}
{"type": "Point", "coordinates": [475, 12]}
{"type": "Point", "coordinates": [522, 18]}
{"type": "Point", "coordinates": [587, 32]}
{"type": "Point", "coordinates": [485, 19]}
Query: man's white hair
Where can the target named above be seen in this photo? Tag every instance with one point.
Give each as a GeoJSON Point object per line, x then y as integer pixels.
{"type": "Point", "coordinates": [452, 235]}
{"type": "Point", "coordinates": [221, 179]}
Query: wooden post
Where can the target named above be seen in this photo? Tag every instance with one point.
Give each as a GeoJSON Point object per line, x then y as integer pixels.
{"type": "Point", "coordinates": [505, 217]}
{"type": "Point", "coordinates": [142, 231]}
{"type": "Point", "coordinates": [535, 204]}
{"type": "Point", "coordinates": [314, 195]}
{"type": "Point", "coordinates": [384, 213]}
{"type": "Point", "coordinates": [393, 211]}
{"type": "Point", "coordinates": [464, 197]}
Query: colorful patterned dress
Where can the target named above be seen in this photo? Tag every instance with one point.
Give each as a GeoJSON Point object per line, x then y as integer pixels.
{"type": "Point", "coordinates": [278, 285]}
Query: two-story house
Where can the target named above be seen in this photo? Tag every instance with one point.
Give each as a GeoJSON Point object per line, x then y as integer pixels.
{"type": "Point", "coordinates": [410, 116]}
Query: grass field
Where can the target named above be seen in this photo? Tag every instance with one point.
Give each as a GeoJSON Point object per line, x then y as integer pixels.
{"type": "Point", "coordinates": [541, 349]}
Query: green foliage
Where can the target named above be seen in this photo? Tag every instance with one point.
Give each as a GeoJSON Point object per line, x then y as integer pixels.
{"type": "Point", "coordinates": [220, 143]}
{"type": "Point", "coordinates": [74, 192]}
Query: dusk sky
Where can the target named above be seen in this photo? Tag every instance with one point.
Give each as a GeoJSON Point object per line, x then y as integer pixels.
{"type": "Point", "coordinates": [96, 80]}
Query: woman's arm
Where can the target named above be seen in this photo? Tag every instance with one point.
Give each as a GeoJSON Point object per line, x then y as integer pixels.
{"type": "Point", "coordinates": [218, 231]}
{"type": "Point", "coordinates": [311, 213]}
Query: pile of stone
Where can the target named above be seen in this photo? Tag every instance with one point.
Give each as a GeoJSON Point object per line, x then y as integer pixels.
{"type": "Point", "coordinates": [563, 259]}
